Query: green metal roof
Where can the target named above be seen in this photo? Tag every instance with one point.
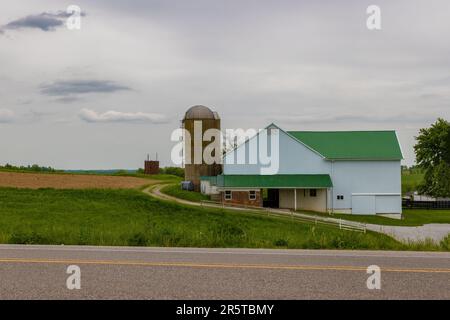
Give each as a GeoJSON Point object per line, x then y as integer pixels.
{"type": "Point", "coordinates": [212, 179]}
{"type": "Point", "coordinates": [354, 145]}
{"type": "Point", "coordinates": [275, 181]}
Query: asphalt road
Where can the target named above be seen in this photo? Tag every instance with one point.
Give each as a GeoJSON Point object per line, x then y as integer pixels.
{"type": "Point", "coordinates": [39, 272]}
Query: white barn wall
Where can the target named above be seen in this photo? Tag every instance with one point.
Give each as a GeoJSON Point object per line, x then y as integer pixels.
{"type": "Point", "coordinates": [295, 158]}
{"type": "Point", "coordinates": [376, 177]}
{"type": "Point", "coordinates": [306, 202]}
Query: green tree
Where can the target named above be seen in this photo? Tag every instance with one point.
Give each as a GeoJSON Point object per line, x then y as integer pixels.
{"type": "Point", "coordinates": [433, 156]}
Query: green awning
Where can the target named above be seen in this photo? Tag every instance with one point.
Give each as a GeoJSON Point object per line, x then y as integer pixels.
{"type": "Point", "coordinates": [310, 181]}
{"type": "Point", "coordinates": [212, 179]}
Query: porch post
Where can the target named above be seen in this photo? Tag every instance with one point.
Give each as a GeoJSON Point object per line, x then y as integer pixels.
{"type": "Point", "coordinates": [295, 199]}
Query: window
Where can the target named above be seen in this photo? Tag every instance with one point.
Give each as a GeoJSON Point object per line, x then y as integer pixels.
{"type": "Point", "coordinates": [340, 197]}
{"type": "Point", "coordinates": [252, 195]}
{"type": "Point", "coordinates": [228, 195]}
{"type": "Point", "coordinates": [313, 193]}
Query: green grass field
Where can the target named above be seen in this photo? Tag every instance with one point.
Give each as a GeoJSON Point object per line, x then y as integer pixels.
{"type": "Point", "coordinates": [174, 190]}
{"type": "Point", "coordinates": [411, 180]}
{"type": "Point", "coordinates": [411, 217]}
{"type": "Point", "coordinates": [129, 217]}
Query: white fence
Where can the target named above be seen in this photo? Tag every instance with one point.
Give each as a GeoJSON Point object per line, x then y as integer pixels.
{"type": "Point", "coordinates": [339, 223]}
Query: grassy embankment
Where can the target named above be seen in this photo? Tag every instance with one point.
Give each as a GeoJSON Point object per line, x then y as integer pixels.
{"type": "Point", "coordinates": [174, 190]}
{"type": "Point", "coordinates": [129, 217]}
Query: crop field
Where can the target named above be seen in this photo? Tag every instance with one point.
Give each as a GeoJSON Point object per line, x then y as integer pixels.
{"type": "Point", "coordinates": [69, 181]}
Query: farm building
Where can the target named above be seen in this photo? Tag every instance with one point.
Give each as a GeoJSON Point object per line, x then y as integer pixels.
{"type": "Point", "coordinates": [199, 118]}
{"type": "Point", "coordinates": [354, 172]}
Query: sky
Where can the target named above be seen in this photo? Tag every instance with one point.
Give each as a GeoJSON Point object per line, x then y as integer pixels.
{"type": "Point", "coordinates": [108, 94]}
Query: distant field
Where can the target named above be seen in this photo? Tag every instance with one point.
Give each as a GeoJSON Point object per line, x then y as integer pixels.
{"type": "Point", "coordinates": [411, 180]}
{"type": "Point", "coordinates": [69, 181]}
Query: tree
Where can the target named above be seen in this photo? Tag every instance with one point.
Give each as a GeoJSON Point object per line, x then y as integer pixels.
{"type": "Point", "coordinates": [433, 156]}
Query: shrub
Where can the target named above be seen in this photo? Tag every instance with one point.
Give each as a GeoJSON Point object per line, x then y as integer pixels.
{"type": "Point", "coordinates": [445, 243]}
{"type": "Point", "coordinates": [281, 243]}
{"type": "Point", "coordinates": [138, 239]}
{"type": "Point", "coordinates": [28, 238]}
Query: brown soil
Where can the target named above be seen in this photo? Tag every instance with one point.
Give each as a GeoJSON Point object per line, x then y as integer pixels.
{"type": "Point", "coordinates": [69, 181]}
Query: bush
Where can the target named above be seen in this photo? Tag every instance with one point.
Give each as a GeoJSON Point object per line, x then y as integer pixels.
{"type": "Point", "coordinates": [281, 243]}
{"type": "Point", "coordinates": [445, 243]}
{"type": "Point", "coordinates": [138, 239]}
{"type": "Point", "coordinates": [175, 171]}
{"type": "Point", "coordinates": [32, 168]}
{"type": "Point", "coordinates": [28, 238]}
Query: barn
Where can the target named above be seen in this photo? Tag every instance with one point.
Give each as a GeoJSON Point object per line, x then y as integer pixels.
{"type": "Point", "coordinates": [355, 172]}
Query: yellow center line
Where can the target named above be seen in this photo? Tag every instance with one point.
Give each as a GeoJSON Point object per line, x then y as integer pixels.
{"type": "Point", "coordinates": [221, 266]}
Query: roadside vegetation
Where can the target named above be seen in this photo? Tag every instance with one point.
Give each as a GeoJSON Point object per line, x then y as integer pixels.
{"type": "Point", "coordinates": [175, 190]}
{"type": "Point", "coordinates": [131, 218]}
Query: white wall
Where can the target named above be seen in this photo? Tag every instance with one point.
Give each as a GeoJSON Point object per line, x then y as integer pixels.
{"type": "Point", "coordinates": [371, 177]}
{"type": "Point", "coordinates": [317, 203]}
{"type": "Point", "coordinates": [294, 158]}
{"type": "Point", "coordinates": [207, 188]}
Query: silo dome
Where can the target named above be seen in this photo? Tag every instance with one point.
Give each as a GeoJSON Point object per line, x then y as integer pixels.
{"type": "Point", "coordinates": [200, 112]}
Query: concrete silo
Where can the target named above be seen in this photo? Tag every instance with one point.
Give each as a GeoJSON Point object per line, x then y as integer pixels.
{"type": "Point", "coordinates": [195, 117]}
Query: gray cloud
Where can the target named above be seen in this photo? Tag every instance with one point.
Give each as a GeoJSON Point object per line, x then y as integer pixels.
{"type": "Point", "coordinates": [116, 116]}
{"type": "Point", "coordinates": [67, 99]}
{"type": "Point", "coordinates": [74, 87]}
{"type": "Point", "coordinates": [305, 65]}
{"type": "Point", "coordinates": [348, 118]}
{"type": "Point", "coordinates": [6, 115]}
{"type": "Point", "coordinates": [46, 21]}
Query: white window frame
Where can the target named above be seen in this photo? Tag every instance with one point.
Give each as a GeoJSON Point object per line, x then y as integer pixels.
{"type": "Point", "coordinates": [250, 197]}
{"type": "Point", "coordinates": [226, 196]}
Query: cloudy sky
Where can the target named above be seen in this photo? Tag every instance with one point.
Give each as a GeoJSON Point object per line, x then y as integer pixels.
{"type": "Point", "coordinates": [106, 95]}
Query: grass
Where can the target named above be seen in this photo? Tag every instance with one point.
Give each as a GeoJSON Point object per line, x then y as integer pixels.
{"type": "Point", "coordinates": [159, 177]}
{"type": "Point", "coordinates": [411, 217]}
{"type": "Point", "coordinates": [129, 217]}
{"type": "Point", "coordinates": [175, 190]}
{"type": "Point", "coordinates": [411, 180]}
